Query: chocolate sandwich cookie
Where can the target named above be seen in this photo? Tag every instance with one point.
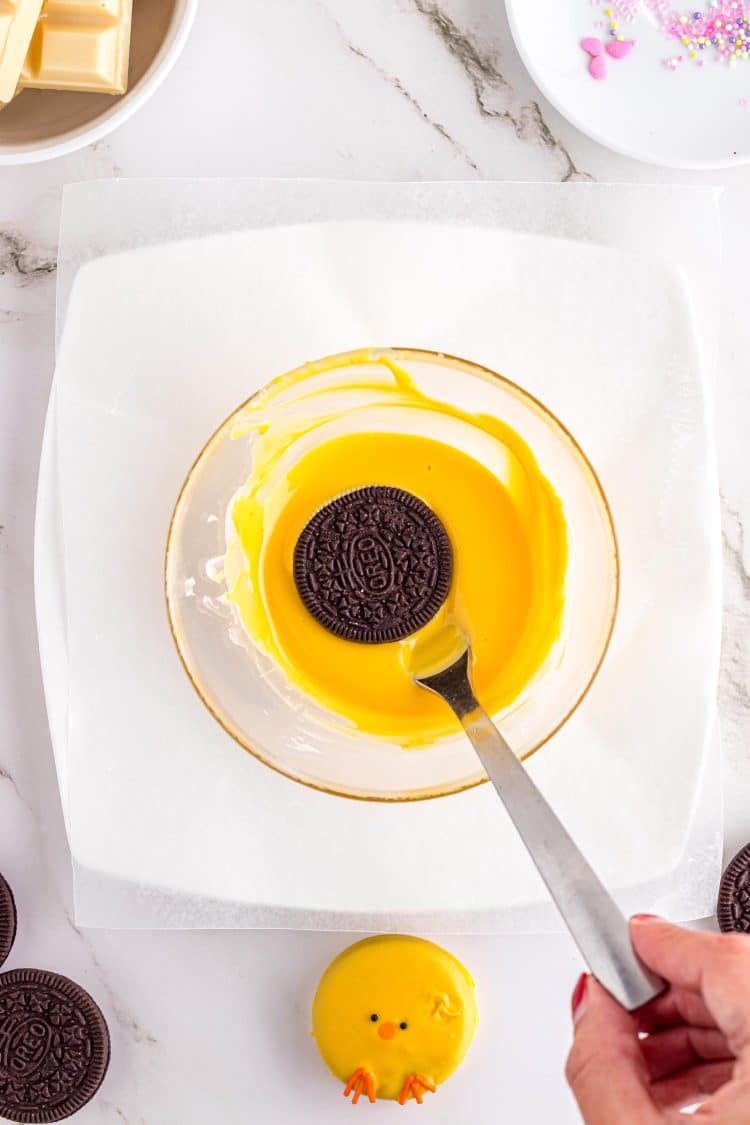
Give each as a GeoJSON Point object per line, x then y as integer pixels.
{"type": "Point", "coordinates": [733, 907]}
{"type": "Point", "coordinates": [54, 1047]}
{"type": "Point", "coordinates": [7, 920]}
{"type": "Point", "coordinates": [374, 565]}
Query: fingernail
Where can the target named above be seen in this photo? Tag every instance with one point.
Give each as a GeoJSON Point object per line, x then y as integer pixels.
{"type": "Point", "coordinates": [643, 917]}
{"type": "Point", "coordinates": [577, 999]}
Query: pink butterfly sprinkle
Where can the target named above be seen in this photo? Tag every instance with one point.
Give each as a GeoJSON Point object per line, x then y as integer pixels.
{"type": "Point", "coordinates": [598, 67]}
{"type": "Point", "coordinates": [620, 48]}
{"type": "Point", "coordinates": [615, 48]}
{"type": "Point", "coordinates": [592, 46]}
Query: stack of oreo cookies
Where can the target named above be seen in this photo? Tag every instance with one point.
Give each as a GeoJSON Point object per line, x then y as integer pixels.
{"type": "Point", "coordinates": [733, 907]}
{"type": "Point", "coordinates": [54, 1040]}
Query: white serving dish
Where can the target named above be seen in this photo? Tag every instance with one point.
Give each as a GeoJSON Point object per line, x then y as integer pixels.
{"type": "Point", "coordinates": [170, 822]}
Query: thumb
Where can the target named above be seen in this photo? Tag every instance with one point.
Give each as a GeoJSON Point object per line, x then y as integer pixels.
{"type": "Point", "coordinates": [715, 966]}
{"type": "Point", "coordinates": [605, 1067]}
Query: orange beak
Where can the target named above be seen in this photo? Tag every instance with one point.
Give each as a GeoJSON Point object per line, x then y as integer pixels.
{"type": "Point", "coordinates": [387, 1030]}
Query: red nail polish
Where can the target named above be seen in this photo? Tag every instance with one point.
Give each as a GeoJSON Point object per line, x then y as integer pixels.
{"type": "Point", "coordinates": [643, 917]}
{"type": "Point", "coordinates": [578, 992]}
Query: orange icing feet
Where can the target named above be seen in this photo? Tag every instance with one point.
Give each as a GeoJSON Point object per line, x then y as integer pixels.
{"type": "Point", "coordinates": [414, 1086]}
{"type": "Point", "coordinates": [361, 1082]}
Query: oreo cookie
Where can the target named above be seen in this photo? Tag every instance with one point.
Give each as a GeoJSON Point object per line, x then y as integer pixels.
{"type": "Point", "coordinates": [374, 565]}
{"type": "Point", "coordinates": [54, 1047]}
{"type": "Point", "coordinates": [733, 907]}
{"type": "Point", "coordinates": [7, 920]}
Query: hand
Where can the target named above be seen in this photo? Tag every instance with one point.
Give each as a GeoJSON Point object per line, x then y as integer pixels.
{"type": "Point", "coordinates": [696, 1046]}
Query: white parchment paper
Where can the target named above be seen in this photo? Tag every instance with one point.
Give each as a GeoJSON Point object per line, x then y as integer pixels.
{"type": "Point", "coordinates": [607, 315]}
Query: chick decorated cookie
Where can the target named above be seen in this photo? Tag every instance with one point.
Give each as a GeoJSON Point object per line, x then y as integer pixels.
{"type": "Point", "coordinates": [393, 1017]}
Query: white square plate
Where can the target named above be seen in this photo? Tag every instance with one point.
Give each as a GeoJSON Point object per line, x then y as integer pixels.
{"type": "Point", "coordinates": [170, 822]}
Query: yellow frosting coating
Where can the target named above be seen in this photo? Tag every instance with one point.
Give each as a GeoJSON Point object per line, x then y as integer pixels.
{"type": "Point", "coordinates": [400, 980]}
{"type": "Point", "coordinates": [327, 432]}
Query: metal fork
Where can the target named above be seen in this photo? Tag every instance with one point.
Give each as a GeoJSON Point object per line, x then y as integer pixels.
{"type": "Point", "coordinates": [595, 922]}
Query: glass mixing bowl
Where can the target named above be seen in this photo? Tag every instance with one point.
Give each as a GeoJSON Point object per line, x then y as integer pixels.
{"type": "Point", "coordinates": [246, 692]}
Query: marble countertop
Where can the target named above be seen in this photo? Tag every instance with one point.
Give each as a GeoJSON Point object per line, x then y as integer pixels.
{"type": "Point", "coordinates": [211, 1027]}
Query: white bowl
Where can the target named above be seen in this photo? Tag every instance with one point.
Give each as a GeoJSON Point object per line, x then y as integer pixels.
{"type": "Point", "coordinates": [41, 124]}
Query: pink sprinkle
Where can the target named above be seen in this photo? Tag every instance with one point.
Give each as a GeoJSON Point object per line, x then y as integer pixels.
{"type": "Point", "coordinates": [593, 46]}
{"type": "Point", "coordinates": [598, 68]}
{"type": "Point", "coordinates": [619, 48]}
{"type": "Point", "coordinates": [715, 29]}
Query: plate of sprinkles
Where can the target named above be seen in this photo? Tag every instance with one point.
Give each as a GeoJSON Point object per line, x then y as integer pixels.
{"type": "Point", "coordinates": [651, 79]}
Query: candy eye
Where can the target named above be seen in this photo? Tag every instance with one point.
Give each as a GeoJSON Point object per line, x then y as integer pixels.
{"type": "Point", "coordinates": [403, 1025]}
{"type": "Point", "coordinates": [374, 1017]}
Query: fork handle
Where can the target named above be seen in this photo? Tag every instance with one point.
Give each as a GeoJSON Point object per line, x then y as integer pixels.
{"type": "Point", "coordinates": [591, 914]}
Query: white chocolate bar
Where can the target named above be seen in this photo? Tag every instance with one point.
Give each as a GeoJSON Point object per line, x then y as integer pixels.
{"type": "Point", "coordinates": [80, 45]}
{"type": "Point", "coordinates": [18, 18]}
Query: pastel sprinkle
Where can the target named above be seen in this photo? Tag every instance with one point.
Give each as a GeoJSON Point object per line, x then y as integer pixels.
{"type": "Point", "coordinates": [620, 49]}
{"type": "Point", "coordinates": [598, 68]}
{"type": "Point", "coordinates": [721, 29]}
{"type": "Point", "coordinates": [592, 46]}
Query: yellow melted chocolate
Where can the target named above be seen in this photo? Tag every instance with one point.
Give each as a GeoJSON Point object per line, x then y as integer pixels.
{"type": "Point", "coordinates": [326, 430]}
